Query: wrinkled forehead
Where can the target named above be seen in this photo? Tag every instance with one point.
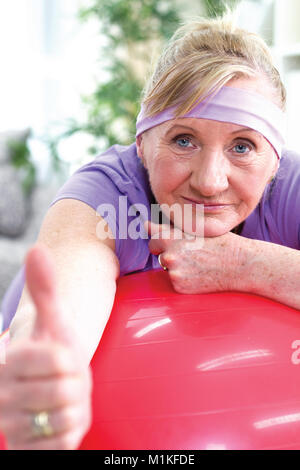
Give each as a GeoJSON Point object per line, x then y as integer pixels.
{"type": "Point", "coordinates": [230, 105]}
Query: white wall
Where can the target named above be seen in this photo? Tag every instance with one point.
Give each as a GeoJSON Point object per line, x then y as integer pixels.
{"type": "Point", "coordinates": [278, 22]}
{"type": "Point", "coordinates": [48, 59]}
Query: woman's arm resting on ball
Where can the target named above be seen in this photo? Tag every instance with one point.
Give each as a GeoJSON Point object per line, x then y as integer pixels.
{"type": "Point", "coordinates": [229, 263]}
{"type": "Point", "coordinates": [272, 271]}
{"type": "Point", "coordinates": [86, 269]}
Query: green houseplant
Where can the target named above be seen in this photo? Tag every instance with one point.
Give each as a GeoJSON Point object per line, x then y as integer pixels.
{"type": "Point", "coordinates": [132, 29]}
{"type": "Point", "coordinates": [128, 26]}
{"type": "Point", "coordinates": [21, 160]}
{"type": "Point", "coordinates": [218, 7]}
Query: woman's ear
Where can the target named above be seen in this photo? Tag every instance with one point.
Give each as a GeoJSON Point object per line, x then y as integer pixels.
{"type": "Point", "coordinates": [140, 148]}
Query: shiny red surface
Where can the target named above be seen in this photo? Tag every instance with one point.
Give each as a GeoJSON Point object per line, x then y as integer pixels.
{"type": "Point", "coordinates": [195, 371]}
{"type": "Point", "coordinates": [181, 372]}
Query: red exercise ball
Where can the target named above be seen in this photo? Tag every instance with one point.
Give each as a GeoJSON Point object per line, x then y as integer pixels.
{"type": "Point", "coordinates": [188, 372]}
{"type": "Point", "coordinates": [212, 371]}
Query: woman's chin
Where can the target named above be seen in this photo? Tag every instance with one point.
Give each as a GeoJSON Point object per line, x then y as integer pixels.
{"type": "Point", "coordinates": [207, 227]}
{"type": "Point", "coordinates": [209, 231]}
{"type": "Point", "coordinates": [216, 228]}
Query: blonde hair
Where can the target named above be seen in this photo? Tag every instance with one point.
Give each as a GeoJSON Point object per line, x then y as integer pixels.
{"type": "Point", "coordinates": [201, 57]}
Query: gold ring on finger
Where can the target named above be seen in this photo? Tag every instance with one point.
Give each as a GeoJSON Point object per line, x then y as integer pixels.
{"type": "Point", "coordinates": [41, 426]}
{"type": "Point", "coordinates": [159, 260]}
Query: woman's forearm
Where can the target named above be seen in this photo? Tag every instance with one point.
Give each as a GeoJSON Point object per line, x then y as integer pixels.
{"type": "Point", "coordinates": [272, 271]}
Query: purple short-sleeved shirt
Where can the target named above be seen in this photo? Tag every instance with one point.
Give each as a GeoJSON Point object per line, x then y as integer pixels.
{"type": "Point", "coordinates": [119, 172]}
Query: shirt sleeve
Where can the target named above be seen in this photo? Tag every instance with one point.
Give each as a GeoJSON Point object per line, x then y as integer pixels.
{"type": "Point", "coordinates": [285, 200]}
{"type": "Point", "coordinates": [91, 185]}
{"type": "Point", "coordinates": [96, 189]}
{"type": "Point", "coordinates": [109, 190]}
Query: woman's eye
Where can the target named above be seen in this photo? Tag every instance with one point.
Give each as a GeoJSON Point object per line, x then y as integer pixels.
{"type": "Point", "coordinates": [182, 142]}
{"type": "Point", "coordinates": [242, 149]}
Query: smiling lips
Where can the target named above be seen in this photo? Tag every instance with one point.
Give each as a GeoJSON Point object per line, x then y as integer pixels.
{"type": "Point", "coordinates": [208, 206]}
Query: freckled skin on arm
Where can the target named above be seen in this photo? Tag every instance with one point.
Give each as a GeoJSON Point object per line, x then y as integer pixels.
{"type": "Point", "coordinates": [273, 271]}
{"type": "Point", "coordinates": [230, 263]}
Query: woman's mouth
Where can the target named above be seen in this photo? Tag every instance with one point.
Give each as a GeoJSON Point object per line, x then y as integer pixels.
{"type": "Point", "coordinates": [207, 206]}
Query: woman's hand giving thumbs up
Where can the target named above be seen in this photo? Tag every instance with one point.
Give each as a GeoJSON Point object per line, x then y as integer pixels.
{"type": "Point", "coordinates": [45, 385]}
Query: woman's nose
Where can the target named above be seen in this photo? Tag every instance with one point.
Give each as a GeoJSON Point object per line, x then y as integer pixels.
{"type": "Point", "coordinates": [210, 173]}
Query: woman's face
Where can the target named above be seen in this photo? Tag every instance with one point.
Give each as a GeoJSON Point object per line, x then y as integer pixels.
{"type": "Point", "coordinates": [219, 166]}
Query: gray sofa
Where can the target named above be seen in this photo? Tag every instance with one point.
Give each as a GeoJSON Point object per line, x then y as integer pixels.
{"type": "Point", "coordinates": [14, 248]}
{"type": "Point", "coordinates": [21, 215]}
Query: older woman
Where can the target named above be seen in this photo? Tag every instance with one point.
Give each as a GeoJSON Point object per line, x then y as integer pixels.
{"type": "Point", "coordinates": [209, 152]}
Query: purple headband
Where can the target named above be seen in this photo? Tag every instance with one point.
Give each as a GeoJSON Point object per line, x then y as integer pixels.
{"type": "Point", "coordinates": [233, 105]}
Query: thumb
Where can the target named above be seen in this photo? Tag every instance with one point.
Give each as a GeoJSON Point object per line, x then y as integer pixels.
{"type": "Point", "coordinates": [40, 279]}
